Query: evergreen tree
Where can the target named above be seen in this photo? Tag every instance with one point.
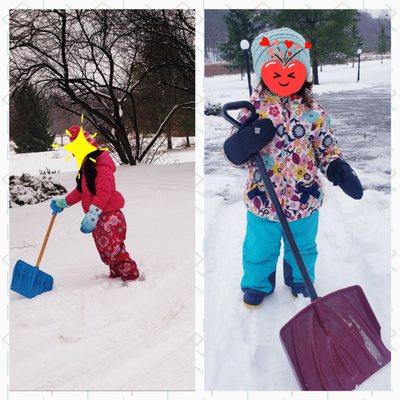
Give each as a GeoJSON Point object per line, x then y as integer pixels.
{"type": "Point", "coordinates": [383, 41]}
{"type": "Point", "coordinates": [30, 121]}
{"type": "Point", "coordinates": [357, 40]}
{"type": "Point", "coordinates": [241, 25]}
{"type": "Point", "coordinates": [329, 32]}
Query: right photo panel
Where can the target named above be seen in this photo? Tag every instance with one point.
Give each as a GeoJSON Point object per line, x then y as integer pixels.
{"type": "Point", "coordinates": [297, 199]}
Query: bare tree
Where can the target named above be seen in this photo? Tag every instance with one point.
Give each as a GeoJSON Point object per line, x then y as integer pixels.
{"type": "Point", "coordinates": [98, 60]}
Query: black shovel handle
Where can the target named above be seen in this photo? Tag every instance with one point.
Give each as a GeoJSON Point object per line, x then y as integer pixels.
{"type": "Point", "coordinates": [286, 229]}
{"type": "Point", "coordinates": [238, 105]}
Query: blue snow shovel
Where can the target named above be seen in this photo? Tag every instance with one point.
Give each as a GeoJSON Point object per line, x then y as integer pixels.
{"type": "Point", "coordinates": [28, 280]}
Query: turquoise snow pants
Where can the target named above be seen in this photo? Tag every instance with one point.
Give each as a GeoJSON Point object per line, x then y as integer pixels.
{"type": "Point", "coordinates": [261, 250]}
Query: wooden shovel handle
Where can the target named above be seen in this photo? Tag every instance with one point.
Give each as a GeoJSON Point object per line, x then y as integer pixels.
{"type": "Point", "coordinates": [46, 238]}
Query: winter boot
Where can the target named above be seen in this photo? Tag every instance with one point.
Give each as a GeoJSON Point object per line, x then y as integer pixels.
{"type": "Point", "coordinates": [129, 271]}
{"type": "Point", "coordinates": [253, 297]}
{"type": "Point", "coordinates": [296, 288]}
{"type": "Point", "coordinates": [299, 288]}
{"type": "Point", "coordinates": [114, 273]}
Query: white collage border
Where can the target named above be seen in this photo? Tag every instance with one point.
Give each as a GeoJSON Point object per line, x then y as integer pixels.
{"type": "Point", "coordinates": [199, 6]}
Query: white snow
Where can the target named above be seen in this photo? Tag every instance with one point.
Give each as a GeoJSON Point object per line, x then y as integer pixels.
{"type": "Point", "coordinates": [55, 161]}
{"type": "Point", "coordinates": [242, 346]}
{"type": "Point", "coordinates": [60, 160]}
{"type": "Point", "coordinates": [90, 332]}
{"type": "Point", "coordinates": [333, 78]}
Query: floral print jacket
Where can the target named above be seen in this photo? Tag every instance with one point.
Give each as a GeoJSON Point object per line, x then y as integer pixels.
{"type": "Point", "coordinates": [304, 143]}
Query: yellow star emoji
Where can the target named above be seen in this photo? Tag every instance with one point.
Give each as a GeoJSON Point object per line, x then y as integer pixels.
{"type": "Point", "coordinates": [80, 148]}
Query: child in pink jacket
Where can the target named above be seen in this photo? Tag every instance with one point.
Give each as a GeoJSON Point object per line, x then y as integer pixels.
{"type": "Point", "coordinates": [102, 203]}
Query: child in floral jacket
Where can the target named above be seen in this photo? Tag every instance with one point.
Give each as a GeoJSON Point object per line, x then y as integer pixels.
{"type": "Point", "coordinates": [102, 203]}
{"type": "Point", "coordinates": [304, 143]}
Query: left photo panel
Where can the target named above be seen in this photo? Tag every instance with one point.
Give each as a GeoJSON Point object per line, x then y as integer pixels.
{"type": "Point", "coordinates": [102, 172]}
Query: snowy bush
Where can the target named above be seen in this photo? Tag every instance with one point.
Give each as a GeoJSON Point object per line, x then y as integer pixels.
{"type": "Point", "coordinates": [212, 109]}
{"type": "Point", "coordinates": [48, 171]}
{"type": "Point", "coordinates": [28, 189]}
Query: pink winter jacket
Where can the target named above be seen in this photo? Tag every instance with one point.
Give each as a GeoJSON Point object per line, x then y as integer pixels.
{"type": "Point", "coordinates": [107, 198]}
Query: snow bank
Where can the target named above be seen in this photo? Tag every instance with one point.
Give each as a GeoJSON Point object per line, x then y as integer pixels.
{"type": "Point", "coordinates": [90, 333]}
{"type": "Point", "coordinates": [55, 161]}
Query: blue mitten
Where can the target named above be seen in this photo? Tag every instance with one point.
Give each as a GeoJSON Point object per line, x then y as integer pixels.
{"type": "Point", "coordinates": [89, 222]}
{"type": "Point", "coordinates": [58, 205]}
{"type": "Point", "coordinates": [340, 173]}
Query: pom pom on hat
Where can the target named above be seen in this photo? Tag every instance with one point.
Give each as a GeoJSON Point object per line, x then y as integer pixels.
{"type": "Point", "coordinates": [74, 132]}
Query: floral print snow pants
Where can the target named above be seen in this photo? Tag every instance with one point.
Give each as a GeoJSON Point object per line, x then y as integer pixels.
{"type": "Point", "coordinates": [109, 236]}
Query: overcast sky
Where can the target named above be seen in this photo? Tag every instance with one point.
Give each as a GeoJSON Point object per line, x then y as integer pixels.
{"type": "Point", "coordinates": [376, 13]}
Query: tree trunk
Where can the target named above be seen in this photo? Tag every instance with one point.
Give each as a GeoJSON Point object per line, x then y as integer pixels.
{"type": "Point", "coordinates": [315, 72]}
{"type": "Point", "coordinates": [320, 68]}
{"type": "Point", "coordinates": [187, 140]}
{"type": "Point", "coordinates": [121, 153]}
{"type": "Point", "coordinates": [169, 141]}
{"type": "Point", "coordinates": [128, 151]}
{"type": "Point", "coordinates": [161, 127]}
{"type": "Point", "coordinates": [126, 146]}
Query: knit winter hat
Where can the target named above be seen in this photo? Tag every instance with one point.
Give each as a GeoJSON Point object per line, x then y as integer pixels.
{"type": "Point", "coordinates": [74, 131]}
{"type": "Point", "coordinates": [284, 44]}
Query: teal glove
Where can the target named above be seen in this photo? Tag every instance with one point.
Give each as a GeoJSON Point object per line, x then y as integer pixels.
{"type": "Point", "coordinates": [58, 205]}
{"type": "Point", "coordinates": [89, 222]}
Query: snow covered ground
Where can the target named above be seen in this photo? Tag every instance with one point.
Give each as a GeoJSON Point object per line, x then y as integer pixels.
{"type": "Point", "coordinates": [333, 78]}
{"type": "Point", "coordinates": [243, 350]}
{"type": "Point", "coordinates": [90, 333]}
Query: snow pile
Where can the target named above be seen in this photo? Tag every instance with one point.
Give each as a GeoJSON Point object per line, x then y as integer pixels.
{"type": "Point", "coordinates": [90, 332]}
{"type": "Point", "coordinates": [28, 189]}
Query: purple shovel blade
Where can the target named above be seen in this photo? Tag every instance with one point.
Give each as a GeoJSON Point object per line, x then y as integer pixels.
{"type": "Point", "coordinates": [335, 342]}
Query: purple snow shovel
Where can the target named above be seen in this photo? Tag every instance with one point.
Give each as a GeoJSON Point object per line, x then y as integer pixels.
{"type": "Point", "coordinates": [335, 342]}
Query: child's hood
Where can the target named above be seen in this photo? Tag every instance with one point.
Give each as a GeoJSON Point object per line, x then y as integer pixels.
{"type": "Point", "coordinates": [104, 159]}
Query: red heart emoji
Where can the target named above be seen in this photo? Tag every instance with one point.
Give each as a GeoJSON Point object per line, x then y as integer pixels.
{"type": "Point", "coordinates": [284, 80]}
{"type": "Point", "coordinates": [288, 43]}
{"type": "Point", "coordinates": [308, 45]}
{"type": "Point", "coordinates": [264, 42]}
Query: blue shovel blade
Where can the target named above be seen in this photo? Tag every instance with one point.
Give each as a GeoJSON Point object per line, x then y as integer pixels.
{"type": "Point", "coordinates": [30, 281]}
